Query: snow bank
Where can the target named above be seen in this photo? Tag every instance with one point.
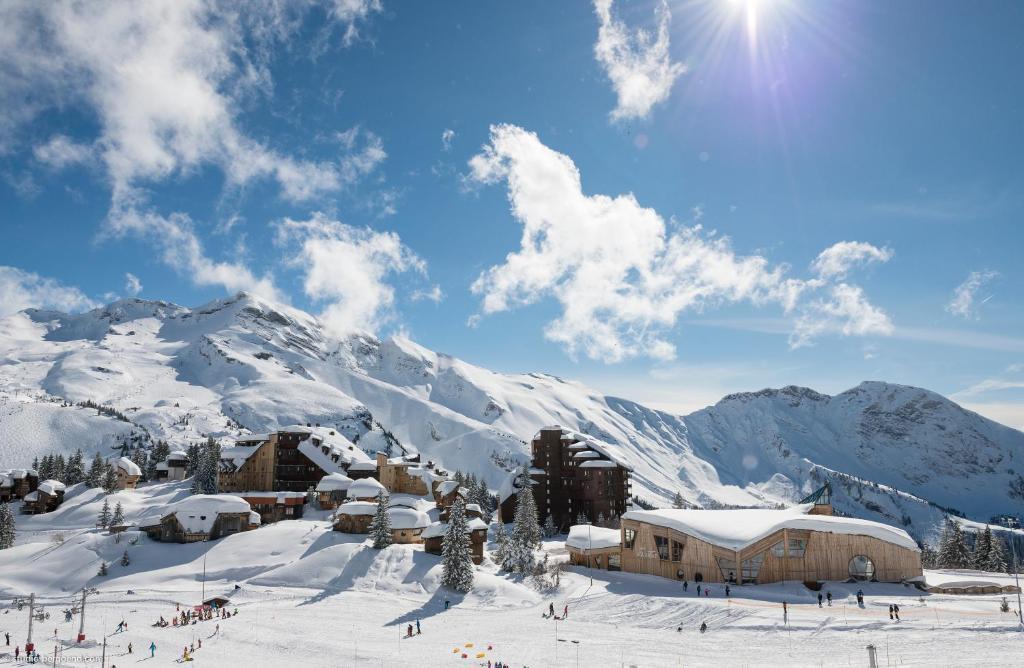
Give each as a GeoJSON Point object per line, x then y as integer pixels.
{"type": "Point", "coordinates": [408, 518]}
{"type": "Point", "coordinates": [585, 536]}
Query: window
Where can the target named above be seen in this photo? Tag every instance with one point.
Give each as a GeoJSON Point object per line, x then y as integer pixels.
{"type": "Point", "coordinates": [728, 568]}
{"type": "Point", "coordinates": [751, 567]}
{"type": "Point", "coordinates": [661, 543]}
{"type": "Point", "coordinates": [629, 539]}
{"type": "Point", "coordinates": [797, 547]}
{"type": "Point", "coordinates": [677, 551]}
{"type": "Point", "coordinates": [862, 568]}
{"type": "Point", "coordinates": [778, 550]}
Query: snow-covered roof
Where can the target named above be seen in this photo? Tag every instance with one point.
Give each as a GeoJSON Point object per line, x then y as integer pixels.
{"type": "Point", "coordinates": [438, 529]}
{"type": "Point", "coordinates": [128, 466]}
{"type": "Point", "coordinates": [333, 482]}
{"type": "Point", "coordinates": [51, 487]}
{"type": "Point", "coordinates": [238, 454]}
{"type": "Point", "coordinates": [536, 471]}
{"type": "Point", "coordinates": [586, 454]}
{"type": "Point", "coordinates": [447, 487]}
{"type": "Point", "coordinates": [365, 488]}
{"type": "Point", "coordinates": [586, 536]}
{"type": "Point", "coordinates": [254, 517]}
{"type": "Point", "coordinates": [363, 466]}
{"type": "Point", "coordinates": [31, 497]}
{"type": "Point", "coordinates": [162, 466]}
{"type": "Point", "coordinates": [177, 454]}
{"type": "Point", "coordinates": [473, 507]}
{"type": "Point", "coordinates": [598, 464]}
{"type": "Point", "coordinates": [357, 508]}
{"type": "Point", "coordinates": [197, 513]}
{"type": "Point", "coordinates": [8, 476]}
{"type": "Point", "coordinates": [408, 518]}
{"type": "Point", "coordinates": [737, 529]}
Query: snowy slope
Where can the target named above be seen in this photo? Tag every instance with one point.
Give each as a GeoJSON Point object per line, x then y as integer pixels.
{"type": "Point", "coordinates": [241, 364]}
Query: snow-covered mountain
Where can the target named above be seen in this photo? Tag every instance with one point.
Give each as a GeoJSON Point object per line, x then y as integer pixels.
{"type": "Point", "coordinates": [244, 364]}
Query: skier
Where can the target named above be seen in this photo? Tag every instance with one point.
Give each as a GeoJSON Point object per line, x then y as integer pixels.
{"type": "Point", "coordinates": [703, 627]}
{"type": "Point", "coordinates": [727, 591]}
{"type": "Point", "coordinates": [200, 643]}
{"type": "Point", "coordinates": [119, 628]}
{"type": "Point", "coordinates": [417, 627]}
{"type": "Point", "coordinates": [129, 648]}
{"type": "Point", "coordinates": [707, 592]}
{"type": "Point", "coordinates": [446, 603]}
{"type": "Point", "coordinates": [896, 611]}
{"type": "Point", "coordinates": [17, 651]}
{"type": "Point", "coordinates": [7, 637]}
{"type": "Point", "coordinates": [785, 612]}
{"type": "Point", "coordinates": [152, 649]}
{"type": "Point", "coordinates": [686, 584]}
{"type": "Point", "coordinates": [890, 612]}
{"type": "Point", "coordinates": [828, 595]}
{"type": "Point", "coordinates": [819, 599]}
{"type": "Point", "coordinates": [408, 631]}
{"type": "Point", "coordinates": [565, 613]}
{"type": "Point", "coordinates": [551, 609]}
{"type": "Point", "coordinates": [698, 590]}
{"type": "Point", "coordinates": [860, 597]}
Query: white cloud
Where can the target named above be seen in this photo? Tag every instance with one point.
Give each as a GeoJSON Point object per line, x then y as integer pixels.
{"type": "Point", "coordinates": [637, 62]}
{"type": "Point", "coordinates": [23, 289]}
{"type": "Point", "coordinates": [181, 249]}
{"type": "Point", "coordinates": [433, 294]}
{"type": "Point", "coordinates": [350, 13]}
{"type": "Point", "coordinates": [447, 137]}
{"type": "Point", "coordinates": [346, 268]}
{"type": "Point", "coordinates": [132, 284]}
{"type": "Point", "coordinates": [62, 151]}
{"type": "Point", "coordinates": [962, 304]}
{"type": "Point", "coordinates": [837, 260]}
{"type": "Point", "coordinates": [621, 275]}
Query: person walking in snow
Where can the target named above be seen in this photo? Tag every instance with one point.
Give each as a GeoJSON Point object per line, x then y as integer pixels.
{"type": "Point", "coordinates": [828, 595]}
{"type": "Point", "coordinates": [129, 648]}
{"type": "Point", "coordinates": [896, 611]}
{"type": "Point", "coordinates": [152, 649]}
{"type": "Point", "coordinates": [565, 613]}
{"type": "Point", "coordinates": [703, 627]}
{"type": "Point", "coordinates": [17, 652]}
{"type": "Point", "coordinates": [408, 631]}
{"type": "Point", "coordinates": [216, 630]}
{"type": "Point", "coordinates": [860, 597]}
{"type": "Point", "coordinates": [446, 603]}
{"type": "Point", "coordinates": [820, 597]}
{"type": "Point", "coordinates": [890, 612]}
{"type": "Point", "coordinates": [698, 591]}
{"type": "Point", "coordinates": [686, 583]}
{"type": "Point", "coordinates": [417, 627]}
{"type": "Point", "coordinates": [785, 612]}
{"type": "Point", "coordinates": [727, 591]}
{"type": "Point", "coordinates": [551, 609]}
{"type": "Point", "coordinates": [7, 637]}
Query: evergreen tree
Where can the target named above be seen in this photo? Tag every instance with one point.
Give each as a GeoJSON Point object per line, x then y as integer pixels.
{"type": "Point", "coordinates": [953, 552]}
{"type": "Point", "coordinates": [103, 569]}
{"type": "Point", "coordinates": [549, 529]}
{"type": "Point", "coordinates": [677, 501]}
{"type": "Point", "coordinates": [103, 519]}
{"type": "Point", "coordinates": [526, 534]}
{"type": "Point", "coordinates": [141, 459]}
{"type": "Point", "coordinates": [124, 559]}
{"type": "Point", "coordinates": [582, 519]}
{"type": "Point", "coordinates": [74, 472]}
{"type": "Point", "coordinates": [35, 464]}
{"type": "Point", "coordinates": [460, 478]}
{"type": "Point", "coordinates": [45, 467]}
{"type": "Point", "coordinates": [193, 454]}
{"type": "Point", "coordinates": [982, 549]}
{"type": "Point", "coordinates": [117, 519]}
{"type": "Point", "coordinates": [7, 527]}
{"type": "Point", "coordinates": [159, 454]}
{"type": "Point", "coordinates": [206, 478]}
{"type": "Point", "coordinates": [457, 564]}
{"type": "Point", "coordinates": [380, 526]}
{"type": "Point", "coordinates": [929, 557]}
{"type": "Point", "coordinates": [501, 544]}
{"type": "Point", "coordinates": [96, 470]}
{"type": "Point", "coordinates": [109, 479]}
{"type": "Point", "coordinates": [997, 556]}
{"type": "Point", "coordinates": [59, 466]}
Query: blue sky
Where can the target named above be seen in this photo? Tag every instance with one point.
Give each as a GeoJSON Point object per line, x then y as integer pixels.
{"type": "Point", "coordinates": [744, 194]}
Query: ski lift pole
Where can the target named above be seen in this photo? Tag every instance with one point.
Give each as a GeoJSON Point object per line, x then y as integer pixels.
{"type": "Point", "coordinates": [31, 615]}
{"type": "Point", "coordinates": [1016, 571]}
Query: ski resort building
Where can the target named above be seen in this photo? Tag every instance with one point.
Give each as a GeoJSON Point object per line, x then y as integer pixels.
{"type": "Point", "coordinates": [128, 472]}
{"type": "Point", "coordinates": [174, 467]}
{"type": "Point", "coordinates": [332, 490]}
{"type": "Point", "coordinates": [275, 506]}
{"type": "Point", "coordinates": [575, 475]}
{"type": "Point", "coordinates": [366, 489]}
{"type": "Point", "coordinates": [16, 483]}
{"type": "Point", "coordinates": [762, 545]}
{"type": "Point", "coordinates": [595, 547]}
{"type": "Point", "coordinates": [401, 475]}
{"type": "Point", "coordinates": [45, 498]}
{"type": "Point", "coordinates": [433, 538]}
{"type": "Point", "coordinates": [407, 523]}
{"type": "Point", "coordinates": [203, 517]}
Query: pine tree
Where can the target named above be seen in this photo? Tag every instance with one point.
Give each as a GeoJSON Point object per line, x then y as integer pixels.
{"type": "Point", "coordinates": [7, 527]}
{"type": "Point", "coordinates": [380, 526]}
{"type": "Point", "coordinates": [549, 529]}
{"type": "Point", "coordinates": [997, 556]}
{"type": "Point", "coordinates": [460, 478]}
{"type": "Point", "coordinates": [96, 470]}
{"type": "Point", "coordinates": [582, 519]}
{"type": "Point", "coordinates": [45, 467]}
{"type": "Point", "coordinates": [677, 501]}
{"type": "Point", "coordinates": [124, 559]}
{"type": "Point", "coordinates": [953, 552]}
{"type": "Point", "coordinates": [526, 534]}
{"type": "Point", "coordinates": [103, 520]}
{"type": "Point", "coordinates": [117, 519]}
{"type": "Point", "coordinates": [74, 472]}
{"type": "Point", "coordinates": [205, 479]}
{"type": "Point", "coordinates": [159, 454]}
{"type": "Point", "coordinates": [929, 557]}
{"type": "Point", "coordinates": [501, 544]}
{"type": "Point", "coordinates": [103, 569]}
{"type": "Point", "coordinates": [982, 549]}
{"type": "Point", "coordinates": [109, 479]}
{"type": "Point", "coordinates": [59, 466]}
{"type": "Point", "coordinates": [193, 455]}
{"type": "Point", "coordinates": [141, 459]}
{"type": "Point", "coordinates": [35, 464]}
{"type": "Point", "coordinates": [457, 564]}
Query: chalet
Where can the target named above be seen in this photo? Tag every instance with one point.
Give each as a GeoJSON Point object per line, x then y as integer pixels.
{"type": "Point", "coordinates": [46, 497]}
{"type": "Point", "coordinates": [595, 547]}
{"type": "Point", "coordinates": [128, 472]}
{"type": "Point", "coordinates": [361, 470]}
{"type": "Point", "coordinates": [332, 490]}
{"type": "Point", "coordinates": [275, 506]}
{"type": "Point", "coordinates": [403, 475]}
{"type": "Point", "coordinates": [16, 483]}
{"type": "Point", "coordinates": [762, 545]}
{"type": "Point", "coordinates": [202, 517]}
{"type": "Point", "coordinates": [433, 538]}
{"type": "Point", "coordinates": [365, 489]}
{"type": "Point", "coordinates": [407, 523]}
{"type": "Point", "coordinates": [174, 467]}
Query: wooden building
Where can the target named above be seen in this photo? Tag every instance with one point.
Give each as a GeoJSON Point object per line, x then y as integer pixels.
{"type": "Point", "coordinates": [275, 506]}
{"type": "Point", "coordinates": [760, 545]}
{"type": "Point", "coordinates": [47, 496]}
{"type": "Point", "coordinates": [354, 516]}
{"type": "Point", "coordinates": [203, 517]}
{"type": "Point", "coordinates": [407, 523]}
{"type": "Point", "coordinates": [433, 538]}
{"type": "Point", "coordinates": [402, 475]}
{"type": "Point", "coordinates": [595, 547]}
{"type": "Point", "coordinates": [332, 490]}
{"type": "Point", "coordinates": [17, 483]}
{"type": "Point", "coordinates": [128, 472]}
{"type": "Point", "coordinates": [365, 489]}
{"type": "Point", "coordinates": [576, 475]}
{"type": "Point", "coordinates": [174, 467]}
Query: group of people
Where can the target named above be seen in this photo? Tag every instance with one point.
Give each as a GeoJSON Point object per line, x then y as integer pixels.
{"type": "Point", "coordinates": [705, 589]}
{"type": "Point", "coordinates": [551, 612]}
{"type": "Point", "coordinates": [828, 595]}
{"type": "Point", "coordinates": [408, 630]}
{"type": "Point", "coordinates": [186, 617]}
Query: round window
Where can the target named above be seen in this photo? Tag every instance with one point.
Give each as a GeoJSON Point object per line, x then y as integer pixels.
{"type": "Point", "coordinates": [862, 568]}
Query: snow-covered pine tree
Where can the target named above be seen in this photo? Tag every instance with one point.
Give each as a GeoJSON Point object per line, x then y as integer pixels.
{"type": "Point", "coordinates": [74, 472]}
{"type": "Point", "coordinates": [953, 552]}
{"type": "Point", "coordinates": [501, 544]}
{"type": "Point", "coordinates": [7, 527]}
{"type": "Point", "coordinates": [103, 569]}
{"type": "Point", "coordinates": [582, 519]}
{"type": "Point", "coordinates": [457, 564]}
{"type": "Point", "coordinates": [158, 454]}
{"type": "Point", "coordinates": [677, 501]}
{"type": "Point", "coordinates": [124, 559]}
{"type": "Point", "coordinates": [997, 561]}
{"type": "Point", "coordinates": [96, 470]}
{"type": "Point", "coordinates": [198, 467]}
{"type": "Point", "coordinates": [103, 519]}
{"type": "Point", "coordinates": [982, 549]}
{"type": "Point", "coordinates": [109, 479]}
{"type": "Point", "coordinates": [35, 464]}
{"type": "Point", "coordinates": [59, 466]}
{"type": "Point", "coordinates": [549, 529]}
{"type": "Point", "coordinates": [207, 475]}
{"type": "Point", "coordinates": [141, 459]}
{"type": "Point", "coordinates": [117, 519]}
{"type": "Point", "coordinates": [460, 478]}
{"type": "Point", "coordinates": [380, 526]}
{"type": "Point", "coordinates": [45, 465]}
{"type": "Point", "coordinates": [526, 512]}
{"type": "Point", "coordinates": [929, 557]}
{"type": "Point", "coordinates": [193, 455]}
